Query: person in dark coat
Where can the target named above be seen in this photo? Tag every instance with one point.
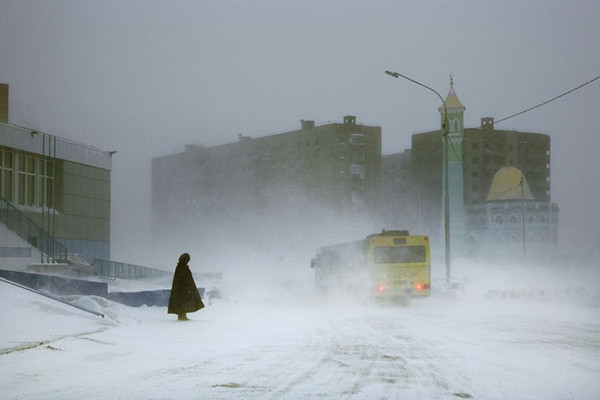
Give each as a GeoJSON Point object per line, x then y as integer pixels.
{"type": "Point", "coordinates": [184, 296]}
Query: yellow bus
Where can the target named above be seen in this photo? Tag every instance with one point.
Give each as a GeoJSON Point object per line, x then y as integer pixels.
{"type": "Point", "coordinates": [386, 265]}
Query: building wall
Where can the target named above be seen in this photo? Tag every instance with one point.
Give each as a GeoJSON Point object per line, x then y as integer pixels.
{"type": "Point", "coordinates": [83, 225]}
{"type": "Point", "coordinates": [484, 152]}
{"type": "Point", "coordinates": [335, 166]}
{"type": "Point", "coordinates": [426, 172]}
{"type": "Point", "coordinates": [402, 198]}
{"type": "Point", "coordinates": [3, 102]}
{"type": "Point", "coordinates": [64, 187]}
{"type": "Point", "coordinates": [15, 252]}
{"type": "Point", "coordinates": [496, 228]}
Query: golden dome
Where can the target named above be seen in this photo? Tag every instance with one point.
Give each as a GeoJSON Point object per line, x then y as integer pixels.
{"type": "Point", "coordinates": [506, 185]}
{"type": "Point", "coordinates": [452, 101]}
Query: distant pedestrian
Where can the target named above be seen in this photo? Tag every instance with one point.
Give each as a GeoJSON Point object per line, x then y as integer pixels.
{"type": "Point", "coordinates": [184, 293]}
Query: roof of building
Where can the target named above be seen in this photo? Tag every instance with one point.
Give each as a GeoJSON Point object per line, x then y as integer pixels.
{"type": "Point", "coordinates": [452, 101]}
{"type": "Point", "coordinates": [506, 185]}
{"type": "Point", "coordinates": [49, 145]}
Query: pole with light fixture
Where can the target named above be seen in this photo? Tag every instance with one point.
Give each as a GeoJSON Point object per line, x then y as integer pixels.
{"type": "Point", "coordinates": [446, 186]}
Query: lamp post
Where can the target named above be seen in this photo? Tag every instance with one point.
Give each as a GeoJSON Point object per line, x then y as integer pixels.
{"type": "Point", "coordinates": [523, 237]}
{"type": "Point", "coordinates": [446, 186]}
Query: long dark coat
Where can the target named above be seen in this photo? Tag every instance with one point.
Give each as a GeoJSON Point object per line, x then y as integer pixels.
{"type": "Point", "coordinates": [184, 296]}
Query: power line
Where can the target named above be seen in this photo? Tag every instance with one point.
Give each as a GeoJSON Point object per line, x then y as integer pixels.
{"type": "Point", "coordinates": [532, 108]}
{"type": "Point", "coordinates": [548, 101]}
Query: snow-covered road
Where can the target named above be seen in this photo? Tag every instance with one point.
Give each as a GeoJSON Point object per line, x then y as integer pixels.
{"type": "Point", "coordinates": [295, 347]}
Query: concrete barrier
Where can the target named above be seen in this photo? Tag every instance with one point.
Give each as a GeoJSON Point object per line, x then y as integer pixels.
{"type": "Point", "coordinates": [158, 298]}
{"type": "Point", "coordinates": [67, 286]}
{"type": "Point", "coordinates": [55, 284]}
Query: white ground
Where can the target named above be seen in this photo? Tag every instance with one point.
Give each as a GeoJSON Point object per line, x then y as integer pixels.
{"type": "Point", "coordinates": [514, 334]}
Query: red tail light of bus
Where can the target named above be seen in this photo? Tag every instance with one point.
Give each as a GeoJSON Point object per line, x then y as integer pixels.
{"type": "Point", "coordinates": [422, 286]}
{"type": "Point", "coordinates": [381, 288]}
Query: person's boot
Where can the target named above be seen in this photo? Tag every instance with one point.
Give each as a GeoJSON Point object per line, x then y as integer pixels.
{"type": "Point", "coordinates": [182, 317]}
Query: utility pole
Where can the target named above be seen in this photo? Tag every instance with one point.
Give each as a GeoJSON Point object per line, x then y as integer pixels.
{"type": "Point", "coordinates": [446, 179]}
{"type": "Point", "coordinates": [523, 215]}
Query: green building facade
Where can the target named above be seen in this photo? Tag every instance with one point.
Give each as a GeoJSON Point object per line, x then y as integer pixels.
{"type": "Point", "coordinates": [60, 185]}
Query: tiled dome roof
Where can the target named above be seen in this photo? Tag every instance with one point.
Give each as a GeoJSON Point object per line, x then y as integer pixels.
{"type": "Point", "coordinates": [506, 185]}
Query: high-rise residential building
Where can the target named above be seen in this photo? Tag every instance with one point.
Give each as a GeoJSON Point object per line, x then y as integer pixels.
{"type": "Point", "coordinates": [336, 167]}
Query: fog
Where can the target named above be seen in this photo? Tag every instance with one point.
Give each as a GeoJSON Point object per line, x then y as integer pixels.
{"type": "Point", "coordinates": [146, 78]}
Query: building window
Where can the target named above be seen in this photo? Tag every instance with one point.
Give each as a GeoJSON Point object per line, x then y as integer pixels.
{"type": "Point", "coordinates": [513, 219]}
{"type": "Point", "coordinates": [26, 188]}
{"type": "Point", "coordinates": [358, 170]}
{"type": "Point", "coordinates": [6, 175]}
{"type": "Point", "coordinates": [455, 125]}
{"type": "Point", "coordinates": [26, 180]}
{"type": "Point", "coordinates": [499, 220]}
{"type": "Point", "coordinates": [357, 139]}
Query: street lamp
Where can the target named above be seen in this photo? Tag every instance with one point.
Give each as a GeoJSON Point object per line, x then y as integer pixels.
{"type": "Point", "coordinates": [523, 231]}
{"type": "Point", "coordinates": [446, 186]}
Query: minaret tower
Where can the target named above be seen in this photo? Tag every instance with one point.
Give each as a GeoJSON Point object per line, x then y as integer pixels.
{"type": "Point", "coordinates": [456, 111]}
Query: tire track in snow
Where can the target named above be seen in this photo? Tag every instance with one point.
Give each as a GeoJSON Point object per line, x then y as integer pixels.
{"type": "Point", "coordinates": [33, 345]}
{"type": "Point", "coordinates": [361, 354]}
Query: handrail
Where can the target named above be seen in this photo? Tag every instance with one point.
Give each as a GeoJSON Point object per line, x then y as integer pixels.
{"type": "Point", "coordinates": [28, 230]}
{"type": "Point", "coordinates": [114, 269]}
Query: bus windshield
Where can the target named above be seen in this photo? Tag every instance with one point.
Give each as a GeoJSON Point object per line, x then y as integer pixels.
{"type": "Point", "coordinates": [399, 254]}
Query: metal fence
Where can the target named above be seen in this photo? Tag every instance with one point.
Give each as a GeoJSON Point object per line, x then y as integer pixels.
{"type": "Point", "coordinates": [28, 230]}
{"type": "Point", "coordinates": [113, 270]}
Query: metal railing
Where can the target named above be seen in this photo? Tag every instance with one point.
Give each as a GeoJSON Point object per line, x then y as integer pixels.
{"type": "Point", "coordinates": [24, 227]}
{"type": "Point", "coordinates": [113, 270]}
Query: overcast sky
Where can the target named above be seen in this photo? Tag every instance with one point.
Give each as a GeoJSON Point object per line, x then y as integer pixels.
{"type": "Point", "coordinates": [145, 78]}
